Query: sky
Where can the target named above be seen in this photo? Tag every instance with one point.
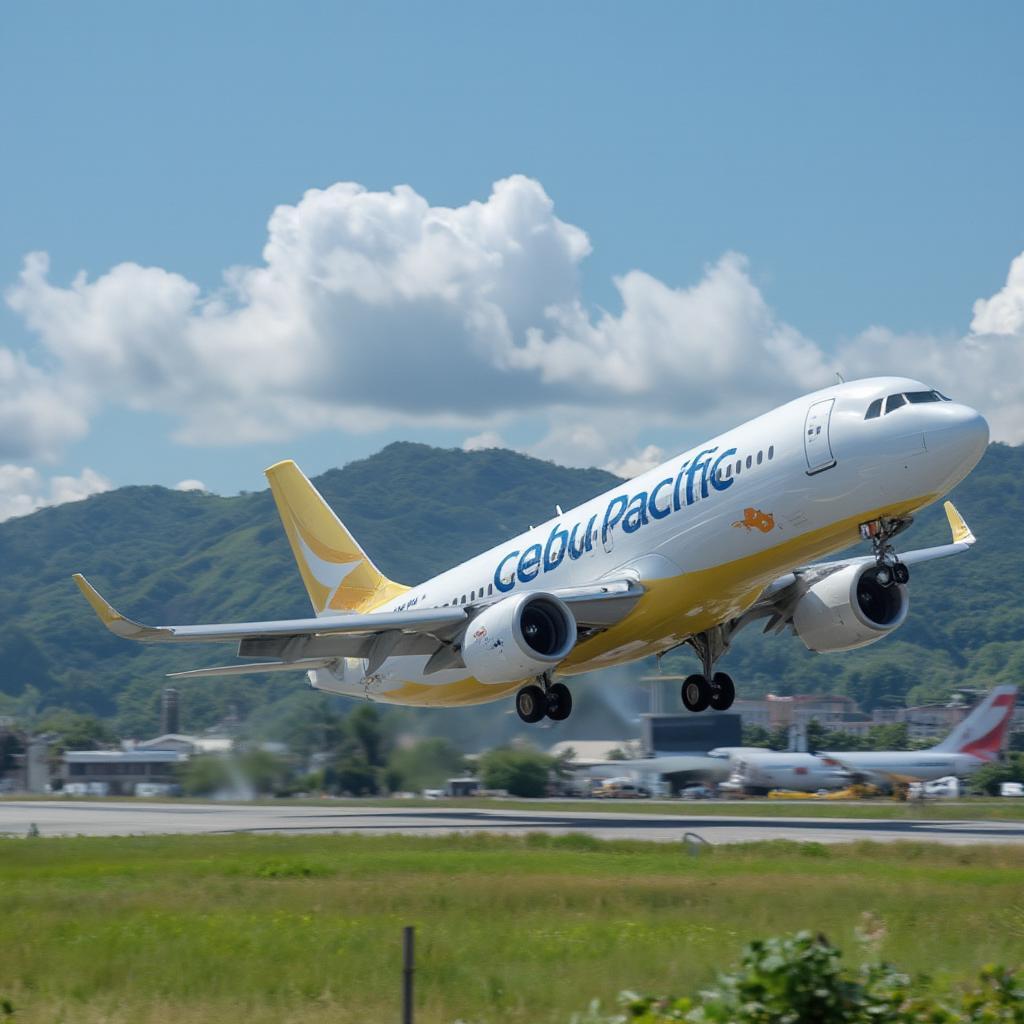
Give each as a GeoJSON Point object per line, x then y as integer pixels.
{"type": "Point", "coordinates": [597, 233]}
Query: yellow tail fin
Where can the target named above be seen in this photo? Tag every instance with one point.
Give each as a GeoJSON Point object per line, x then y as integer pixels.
{"type": "Point", "coordinates": [339, 576]}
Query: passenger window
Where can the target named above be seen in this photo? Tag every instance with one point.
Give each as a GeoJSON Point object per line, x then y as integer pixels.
{"type": "Point", "coordinates": [920, 397]}
{"type": "Point", "coordinates": [771, 452]}
{"type": "Point", "coordinates": [739, 466]}
{"type": "Point", "coordinates": [728, 470]}
{"type": "Point", "coordinates": [750, 461]}
{"type": "Point", "coordinates": [894, 402]}
{"type": "Point", "coordinates": [760, 458]}
{"type": "Point", "coordinates": [874, 410]}
{"type": "Point", "coordinates": [463, 599]}
{"type": "Point", "coordinates": [490, 589]}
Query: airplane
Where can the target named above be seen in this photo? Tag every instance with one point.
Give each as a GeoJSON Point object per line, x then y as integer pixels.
{"type": "Point", "coordinates": [690, 552]}
{"type": "Point", "coordinates": [976, 741]}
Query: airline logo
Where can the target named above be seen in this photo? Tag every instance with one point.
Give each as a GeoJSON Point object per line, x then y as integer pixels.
{"type": "Point", "coordinates": [987, 746]}
{"type": "Point", "coordinates": [696, 479]}
{"type": "Point", "coordinates": [755, 519]}
{"type": "Point", "coordinates": [329, 573]}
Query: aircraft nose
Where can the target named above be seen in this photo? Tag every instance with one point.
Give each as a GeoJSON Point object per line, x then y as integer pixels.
{"type": "Point", "coordinates": [961, 436]}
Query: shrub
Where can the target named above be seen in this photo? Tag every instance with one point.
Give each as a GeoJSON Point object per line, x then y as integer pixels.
{"type": "Point", "coordinates": [519, 771]}
{"type": "Point", "coordinates": [800, 980]}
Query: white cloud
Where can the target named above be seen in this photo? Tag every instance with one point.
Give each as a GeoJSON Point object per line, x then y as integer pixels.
{"type": "Point", "coordinates": [39, 414]}
{"type": "Point", "coordinates": [642, 461]}
{"type": "Point", "coordinates": [377, 311]}
{"type": "Point", "coordinates": [24, 490]}
{"type": "Point", "coordinates": [190, 485]}
{"type": "Point", "coordinates": [483, 440]}
{"type": "Point", "coordinates": [984, 368]}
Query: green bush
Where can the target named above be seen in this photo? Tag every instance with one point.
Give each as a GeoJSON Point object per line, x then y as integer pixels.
{"type": "Point", "coordinates": [519, 771]}
{"type": "Point", "coordinates": [800, 980]}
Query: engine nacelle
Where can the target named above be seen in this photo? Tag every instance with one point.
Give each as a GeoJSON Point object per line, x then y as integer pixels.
{"type": "Point", "coordinates": [518, 637]}
{"type": "Point", "coordinates": [849, 609]}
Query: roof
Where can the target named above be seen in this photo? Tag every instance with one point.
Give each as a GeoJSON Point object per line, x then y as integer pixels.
{"type": "Point", "coordinates": [591, 750]}
{"type": "Point", "coordinates": [201, 744]}
{"type": "Point", "coordinates": [122, 756]}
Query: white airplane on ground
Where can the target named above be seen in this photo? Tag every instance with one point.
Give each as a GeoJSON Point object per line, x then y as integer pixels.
{"type": "Point", "coordinates": [687, 553]}
{"type": "Point", "coordinates": [976, 741]}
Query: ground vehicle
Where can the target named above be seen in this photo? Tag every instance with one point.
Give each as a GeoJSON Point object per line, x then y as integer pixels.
{"type": "Point", "coordinates": [621, 789]}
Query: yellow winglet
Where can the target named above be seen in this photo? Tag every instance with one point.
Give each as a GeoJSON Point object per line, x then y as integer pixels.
{"type": "Point", "coordinates": [107, 613]}
{"type": "Point", "coordinates": [960, 530]}
{"type": "Point", "coordinates": [117, 623]}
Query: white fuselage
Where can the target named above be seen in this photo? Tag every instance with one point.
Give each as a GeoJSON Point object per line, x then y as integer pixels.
{"type": "Point", "coordinates": [755, 770]}
{"type": "Point", "coordinates": [704, 532]}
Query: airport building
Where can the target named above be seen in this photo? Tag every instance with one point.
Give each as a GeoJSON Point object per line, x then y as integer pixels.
{"type": "Point", "coordinates": [120, 772]}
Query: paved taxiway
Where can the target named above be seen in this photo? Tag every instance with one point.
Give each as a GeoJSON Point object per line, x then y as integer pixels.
{"type": "Point", "coordinates": [94, 818]}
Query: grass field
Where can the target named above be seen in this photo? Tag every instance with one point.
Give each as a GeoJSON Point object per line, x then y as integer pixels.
{"type": "Point", "coordinates": [277, 929]}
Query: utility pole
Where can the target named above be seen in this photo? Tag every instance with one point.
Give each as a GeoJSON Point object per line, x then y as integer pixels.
{"type": "Point", "coordinates": [408, 967]}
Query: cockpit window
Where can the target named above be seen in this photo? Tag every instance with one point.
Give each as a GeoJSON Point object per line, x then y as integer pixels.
{"type": "Point", "coordinates": [918, 397]}
{"type": "Point", "coordinates": [874, 410]}
{"type": "Point", "coordinates": [894, 402]}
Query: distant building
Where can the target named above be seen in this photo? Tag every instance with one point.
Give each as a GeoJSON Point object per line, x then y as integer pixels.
{"type": "Point", "coordinates": [688, 733]}
{"type": "Point", "coordinates": [586, 752]}
{"type": "Point", "coordinates": [188, 745]}
{"type": "Point", "coordinates": [118, 772]}
{"type": "Point", "coordinates": [833, 711]}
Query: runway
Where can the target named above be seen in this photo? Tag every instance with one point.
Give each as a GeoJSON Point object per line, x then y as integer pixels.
{"type": "Point", "coordinates": [97, 818]}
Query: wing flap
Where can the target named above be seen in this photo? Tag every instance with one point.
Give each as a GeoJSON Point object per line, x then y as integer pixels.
{"type": "Point", "coordinates": [256, 668]}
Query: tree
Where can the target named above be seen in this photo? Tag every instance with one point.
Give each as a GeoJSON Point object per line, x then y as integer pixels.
{"type": "Point", "coordinates": [244, 775]}
{"type": "Point", "coordinates": [989, 777]}
{"type": "Point", "coordinates": [74, 730]}
{"type": "Point", "coordinates": [519, 771]}
{"type": "Point", "coordinates": [425, 765]}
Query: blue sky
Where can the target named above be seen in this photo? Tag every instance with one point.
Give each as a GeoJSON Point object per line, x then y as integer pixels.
{"type": "Point", "coordinates": [865, 160]}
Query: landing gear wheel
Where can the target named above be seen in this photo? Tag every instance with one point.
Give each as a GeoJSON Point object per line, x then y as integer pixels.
{"type": "Point", "coordinates": [723, 692]}
{"type": "Point", "coordinates": [696, 693]}
{"type": "Point", "coordinates": [901, 573]}
{"type": "Point", "coordinates": [531, 703]}
{"type": "Point", "coordinates": [559, 702]}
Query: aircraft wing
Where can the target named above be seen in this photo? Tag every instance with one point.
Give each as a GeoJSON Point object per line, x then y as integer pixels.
{"type": "Point", "coordinates": [304, 644]}
{"type": "Point", "coordinates": [413, 620]}
{"type": "Point", "coordinates": [780, 597]}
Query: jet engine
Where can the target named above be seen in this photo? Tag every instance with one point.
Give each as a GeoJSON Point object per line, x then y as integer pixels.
{"type": "Point", "coordinates": [519, 637]}
{"type": "Point", "coordinates": [848, 609]}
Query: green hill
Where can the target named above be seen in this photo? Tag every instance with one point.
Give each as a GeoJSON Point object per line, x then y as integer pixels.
{"type": "Point", "coordinates": [167, 556]}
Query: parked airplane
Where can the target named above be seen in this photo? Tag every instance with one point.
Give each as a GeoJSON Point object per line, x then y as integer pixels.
{"type": "Point", "coordinates": [976, 741]}
{"type": "Point", "coordinates": [687, 553]}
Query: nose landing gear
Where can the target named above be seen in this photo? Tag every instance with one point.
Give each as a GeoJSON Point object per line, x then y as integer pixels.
{"type": "Point", "coordinates": [534, 702]}
{"type": "Point", "coordinates": [890, 570]}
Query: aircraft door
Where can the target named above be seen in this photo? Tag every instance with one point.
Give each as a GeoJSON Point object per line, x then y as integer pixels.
{"type": "Point", "coordinates": [817, 446]}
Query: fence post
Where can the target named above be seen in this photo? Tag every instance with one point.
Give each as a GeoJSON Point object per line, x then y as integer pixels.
{"type": "Point", "coordinates": [408, 967]}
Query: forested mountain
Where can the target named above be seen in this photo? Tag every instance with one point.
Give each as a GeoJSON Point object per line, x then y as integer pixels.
{"type": "Point", "coordinates": [168, 556]}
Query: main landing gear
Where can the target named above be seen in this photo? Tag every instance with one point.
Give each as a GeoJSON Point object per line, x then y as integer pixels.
{"type": "Point", "coordinates": [534, 702]}
{"type": "Point", "coordinates": [709, 689]}
{"type": "Point", "coordinates": [699, 693]}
